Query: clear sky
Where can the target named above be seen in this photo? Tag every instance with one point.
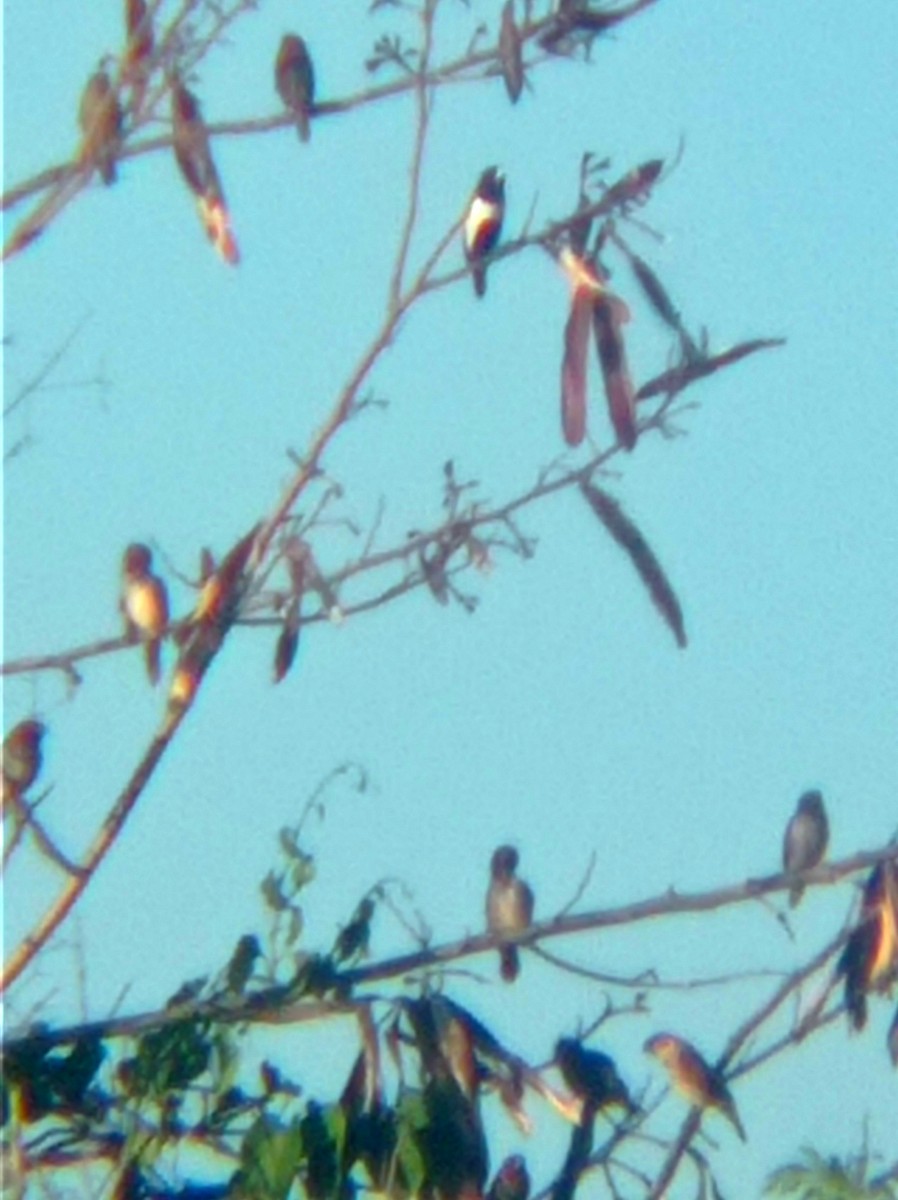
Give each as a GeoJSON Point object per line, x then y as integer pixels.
{"type": "Point", "coordinates": [560, 715]}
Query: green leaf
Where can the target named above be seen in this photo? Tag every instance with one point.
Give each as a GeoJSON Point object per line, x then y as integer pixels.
{"type": "Point", "coordinates": [270, 1159]}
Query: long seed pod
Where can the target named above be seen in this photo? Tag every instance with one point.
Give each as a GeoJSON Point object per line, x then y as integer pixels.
{"type": "Point", "coordinates": [608, 314]}
{"type": "Point", "coordinates": [574, 368]}
{"type": "Point", "coordinates": [649, 569]}
{"type": "Point", "coordinates": [510, 55]}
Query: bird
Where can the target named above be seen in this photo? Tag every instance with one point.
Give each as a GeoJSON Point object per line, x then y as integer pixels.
{"type": "Point", "coordinates": [701, 1084]}
{"type": "Point", "coordinates": [592, 1076]}
{"type": "Point", "coordinates": [512, 1180]}
{"type": "Point", "coordinates": [193, 155]}
{"type": "Point", "coordinates": [294, 78]}
{"type": "Point", "coordinates": [100, 118]}
{"type": "Point", "coordinates": [869, 961]}
{"type": "Point", "coordinates": [807, 835]}
{"type": "Point", "coordinates": [22, 758]}
{"type": "Point", "coordinates": [483, 224]}
{"type": "Point", "coordinates": [509, 906]}
{"type": "Point", "coordinates": [144, 604]}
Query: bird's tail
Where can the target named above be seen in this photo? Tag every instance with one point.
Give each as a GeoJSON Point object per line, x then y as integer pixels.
{"type": "Point", "coordinates": [509, 963]}
{"type": "Point", "coordinates": [153, 655]}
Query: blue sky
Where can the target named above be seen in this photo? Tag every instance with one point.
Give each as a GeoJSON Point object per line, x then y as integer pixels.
{"type": "Point", "coordinates": [561, 715]}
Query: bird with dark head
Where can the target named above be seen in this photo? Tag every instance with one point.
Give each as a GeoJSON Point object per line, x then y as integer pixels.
{"type": "Point", "coordinates": [869, 962]}
{"type": "Point", "coordinates": [807, 836]}
{"type": "Point", "coordinates": [592, 1076]}
{"type": "Point", "coordinates": [193, 154]}
{"type": "Point", "coordinates": [701, 1084]}
{"type": "Point", "coordinates": [294, 78]}
{"type": "Point", "coordinates": [512, 1180]}
{"type": "Point", "coordinates": [483, 224]}
{"type": "Point", "coordinates": [100, 118]}
{"type": "Point", "coordinates": [144, 604]}
{"type": "Point", "coordinates": [509, 906]}
{"type": "Point", "coordinates": [22, 758]}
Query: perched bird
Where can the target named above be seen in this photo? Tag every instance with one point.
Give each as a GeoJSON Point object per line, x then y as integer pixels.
{"type": "Point", "coordinates": [701, 1084]}
{"type": "Point", "coordinates": [21, 758]}
{"type": "Point", "coordinates": [100, 118]}
{"type": "Point", "coordinates": [869, 961]}
{"type": "Point", "coordinates": [509, 906]}
{"type": "Point", "coordinates": [483, 223]}
{"type": "Point", "coordinates": [807, 835]}
{"type": "Point", "coordinates": [144, 604]}
{"type": "Point", "coordinates": [592, 1076]}
{"type": "Point", "coordinates": [139, 51]}
{"type": "Point", "coordinates": [194, 157]}
{"type": "Point", "coordinates": [294, 78]}
{"type": "Point", "coordinates": [512, 1180]}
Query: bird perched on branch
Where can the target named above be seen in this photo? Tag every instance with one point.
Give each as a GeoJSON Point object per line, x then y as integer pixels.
{"type": "Point", "coordinates": [509, 906]}
{"type": "Point", "coordinates": [100, 118]}
{"type": "Point", "coordinates": [22, 758]}
{"type": "Point", "coordinates": [592, 1076]}
{"type": "Point", "coordinates": [869, 961]}
{"type": "Point", "coordinates": [294, 78]}
{"type": "Point", "coordinates": [144, 604]}
{"type": "Point", "coordinates": [483, 224]}
{"type": "Point", "coordinates": [194, 157]}
{"type": "Point", "coordinates": [702, 1085]}
{"type": "Point", "coordinates": [807, 836]}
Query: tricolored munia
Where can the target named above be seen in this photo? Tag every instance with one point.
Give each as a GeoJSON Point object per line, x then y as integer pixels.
{"type": "Point", "coordinates": [869, 962]}
{"type": "Point", "coordinates": [701, 1084]}
{"type": "Point", "coordinates": [144, 604]}
{"type": "Point", "coordinates": [194, 157]}
{"type": "Point", "coordinates": [806, 839]}
{"type": "Point", "coordinates": [509, 906]}
{"type": "Point", "coordinates": [22, 758]}
{"type": "Point", "coordinates": [483, 224]}
{"type": "Point", "coordinates": [100, 118]}
{"type": "Point", "coordinates": [294, 78]}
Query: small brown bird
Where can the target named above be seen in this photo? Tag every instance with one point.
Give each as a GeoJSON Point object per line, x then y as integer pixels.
{"type": "Point", "coordinates": [509, 906]}
{"type": "Point", "coordinates": [144, 604]}
{"type": "Point", "coordinates": [701, 1084]}
{"type": "Point", "coordinates": [294, 78]}
{"type": "Point", "coordinates": [807, 836]}
{"type": "Point", "coordinates": [194, 157]}
{"type": "Point", "coordinates": [21, 758]}
{"type": "Point", "coordinates": [591, 1075]}
{"type": "Point", "coordinates": [100, 118]}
